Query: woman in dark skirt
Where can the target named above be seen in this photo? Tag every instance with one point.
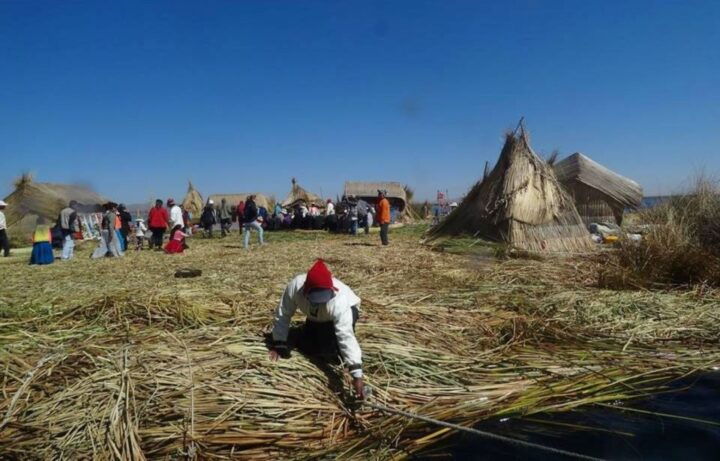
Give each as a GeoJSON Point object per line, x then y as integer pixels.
{"type": "Point", "coordinates": [42, 252]}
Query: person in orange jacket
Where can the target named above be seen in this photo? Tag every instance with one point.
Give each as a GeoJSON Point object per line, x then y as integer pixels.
{"type": "Point", "coordinates": [383, 216]}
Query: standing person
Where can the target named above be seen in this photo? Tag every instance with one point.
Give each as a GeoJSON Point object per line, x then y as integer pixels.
{"type": "Point", "coordinates": [240, 214]}
{"type": "Point", "coordinates": [225, 217]}
{"type": "Point", "coordinates": [42, 252]}
{"type": "Point", "coordinates": [278, 209]}
{"type": "Point", "coordinates": [177, 240]}
{"type": "Point", "coordinates": [68, 223]}
{"type": "Point", "coordinates": [109, 241]}
{"type": "Point", "coordinates": [370, 219]}
{"type": "Point", "coordinates": [140, 230]}
{"type": "Point", "coordinates": [157, 222]}
{"type": "Point", "coordinates": [251, 222]}
{"type": "Point", "coordinates": [125, 220]}
{"type": "Point", "coordinates": [187, 225]}
{"type": "Point", "coordinates": [331, 309]}
{"type": "Point", "coordinates": [352, 212]}
{"type": "Point", "coordinates": [176, 214]}
{"type": "Point", "coordinates": [363, 209]}
{"type": "Point", "coordinates": [329, 208]}
{"type": "Point", "coordinates": [383, 216]}
{"type": "Point", "coordinates": [4, 242]}
{"type": "Point", "coordinates": [207, 219]}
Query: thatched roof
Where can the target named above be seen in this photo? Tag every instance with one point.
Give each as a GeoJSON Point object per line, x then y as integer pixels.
{"type": "Point", "coordinates": [369, 190]}
{"type": "Point", "coordinates": [519, 202]}
{"type": "Point", "coordinates": [193, 202]}
{"type": "Point", "coordinates": [47, 199]}
{"type": "Point", "coordinates": [598, 192]}
{"type": "Point", "coordinates": [298, 194]}
{"type": "Point", "coordinates": [233, 199]}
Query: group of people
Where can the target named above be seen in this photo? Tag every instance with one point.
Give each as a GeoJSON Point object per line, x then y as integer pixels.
{"type": "Point", "coordinates": [247, 214]}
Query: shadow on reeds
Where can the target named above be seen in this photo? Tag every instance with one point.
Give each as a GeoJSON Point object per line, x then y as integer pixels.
{"type": "Point", "coordinates": [325, 358]}
{"type": "Point", "coordinates": [359, 244]}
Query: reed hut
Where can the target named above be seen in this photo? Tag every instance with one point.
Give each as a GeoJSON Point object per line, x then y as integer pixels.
{"type": "Point", "coordinates": [233, 199]}
{"type": "Point", "coordinates": [600, 194]}
{"type": "Point", "coordinates": [31, 200]}
{"type": "Point", "coordinates": [519, 202]}
{"type": "Point", "coordinates": [300, 195]}
{"type": "Point", "coordinates": [193, 202]}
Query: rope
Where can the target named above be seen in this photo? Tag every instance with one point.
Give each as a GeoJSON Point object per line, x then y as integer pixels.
{"type": "Point", "coordinates": [489, 435]}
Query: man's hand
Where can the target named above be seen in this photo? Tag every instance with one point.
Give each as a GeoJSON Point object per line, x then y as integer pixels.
{"type": "Point", "coordinates": [274, 355]}
{"type": "Point", "coordinates": [359, 386]}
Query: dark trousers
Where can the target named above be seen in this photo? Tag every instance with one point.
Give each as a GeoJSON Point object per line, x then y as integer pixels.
{"type": "Point", "coordinates": [4, 243]}
{"type": "Point", "coordinates": [208, 230]}
{"type": "Point", "coordinates": [319, 337]}
{"type": "Point", "coordinates": [156, 240]}
{"type": "Point", "coordinates": [124, 233]}
{"type": "Point", "coordinates": [225, 225]}
{"type": "Point", "coordinates": [384, 228]}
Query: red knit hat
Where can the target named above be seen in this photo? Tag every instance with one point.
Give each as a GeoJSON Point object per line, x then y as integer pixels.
{"type": "Point", "coordinates": [318, 277]}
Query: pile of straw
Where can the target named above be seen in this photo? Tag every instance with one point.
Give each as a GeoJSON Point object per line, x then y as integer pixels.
{"type": "Point", "coordinates": [193, 202]}
{"type": "Point", "coordinates": [116, 359]}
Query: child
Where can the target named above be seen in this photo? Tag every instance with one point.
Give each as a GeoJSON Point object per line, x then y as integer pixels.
{"type": "Point", "coordinates": [42, 252]}
{"type": "Point", "coordinates": [177, 240]}
{"type": "Point", "coordinates": [140, 230]}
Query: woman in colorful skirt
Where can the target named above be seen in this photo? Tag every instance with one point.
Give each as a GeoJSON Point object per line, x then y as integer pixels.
{"type": "Point", "coordinates": [42, 252]}
{"type": "Point", "coordinates": [177, 240]}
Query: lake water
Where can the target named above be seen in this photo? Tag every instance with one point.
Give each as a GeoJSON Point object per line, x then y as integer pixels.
{"type": "Point", "coordinates": [623, 435]}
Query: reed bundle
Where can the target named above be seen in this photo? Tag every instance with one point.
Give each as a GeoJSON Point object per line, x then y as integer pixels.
{"type": "Point", "coordinates": [116, 359]}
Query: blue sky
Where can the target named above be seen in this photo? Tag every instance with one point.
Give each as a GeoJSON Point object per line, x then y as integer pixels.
{"type": "Point", "coordinates": [135, 98]}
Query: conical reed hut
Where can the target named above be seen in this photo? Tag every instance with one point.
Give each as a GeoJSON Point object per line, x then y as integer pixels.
{"type": "Point", "coordinates": [298, 194]}
{"type": "Point", "coordinates": [521, 203]}
{"type": "Point", "coordinates": [600, 194]}
{"type": "Point", "coordinates": [193, 201]}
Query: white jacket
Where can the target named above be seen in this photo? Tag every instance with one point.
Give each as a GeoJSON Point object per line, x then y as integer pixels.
{"type": "Point", "coordinates": [337, 310]}
{"type": "Point", "coordinates": [176, 216]}
{"type": "Point", "coordinates": [3, 223]}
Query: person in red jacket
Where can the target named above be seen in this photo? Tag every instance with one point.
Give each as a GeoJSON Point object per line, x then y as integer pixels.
{"type": "Point", "coordinates": [158, 222]}
{"type": "Point", "coordinates": [383, 216]}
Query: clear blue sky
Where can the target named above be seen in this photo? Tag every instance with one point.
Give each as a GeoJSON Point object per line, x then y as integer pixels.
{"type": "Point", "coordinates": [136, 97]}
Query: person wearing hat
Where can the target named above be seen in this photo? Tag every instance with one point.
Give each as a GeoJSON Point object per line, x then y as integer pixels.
{"type": "Point", "coordinates": [69, 225]}
{"type": "Point", "coordinates": [4, 242]}
{"type": "Point", "coordinates": [158, 222]}
{"type": "Point", "coordinates": [331, 308]}
{"type": "Point", "coordinates": [176, 214]}
{"type": "Point", "coordinates": [140, 230]}
{"type": "Point", "coordinates": [383, 216]}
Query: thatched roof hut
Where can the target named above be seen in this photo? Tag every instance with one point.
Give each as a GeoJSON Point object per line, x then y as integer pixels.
{"type": "Point", "coordinates": [233, 199]}
{"type": "Point", "coordinates": [600, 194]}
{"type": "Point", "coordinates": [519, 202]}
{"type": "Point", "coordinates": [368, 191]}
{"type": "Point", "coordinates": [193, 202]}
{"type": "Point", "coordinates": [31, 199]}
{"type": "Point", "coordinates": [299, 195]}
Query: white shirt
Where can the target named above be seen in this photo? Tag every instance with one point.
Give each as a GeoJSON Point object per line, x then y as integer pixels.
{"type": "Point", "coordinates": [3, 223]}
{"type": "Point", "coordinates": [176, 216]}
{"type": "Point", "coordinates": [338, 310]}
{"type": "Point", "coordinates": [330, 209]}
{"type": "Point", "coordinates": [140, 230]}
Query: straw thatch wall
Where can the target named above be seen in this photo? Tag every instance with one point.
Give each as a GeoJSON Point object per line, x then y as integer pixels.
{"type": "Point", "coordinates": [519, 202]}
{"type": "Point", "coordinates": [300, 195]}
{"type": "Point", "coordinates": [33, 199]}
{"type": "Point", "coordinates": [368, 191]}
{"type": "Point", "coordinates": [599, 193]}
{"type": "Point", "coordinates": [193, 202]}
{"type": "Point", "coordinates": [233, 199]}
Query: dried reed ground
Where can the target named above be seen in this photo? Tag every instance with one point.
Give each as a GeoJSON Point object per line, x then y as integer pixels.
{"type": "Point", "coordinates": [117, 359]}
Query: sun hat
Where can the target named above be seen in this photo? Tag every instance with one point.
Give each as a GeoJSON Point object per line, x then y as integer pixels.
{"type": "Point", "coordinates": [2, 203]}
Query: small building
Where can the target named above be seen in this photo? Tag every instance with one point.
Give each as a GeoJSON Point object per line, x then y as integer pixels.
{"type": "Point", "coordinates": [600, 195]}
{"type": "Point", "coordinates": [368, 191]}
{"type": "Point", "coordinates": [299, 195]}
{"type": "Point", "coordinates": [519, 203]}
{"type": "Point", "coordinates": [31, 200]}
